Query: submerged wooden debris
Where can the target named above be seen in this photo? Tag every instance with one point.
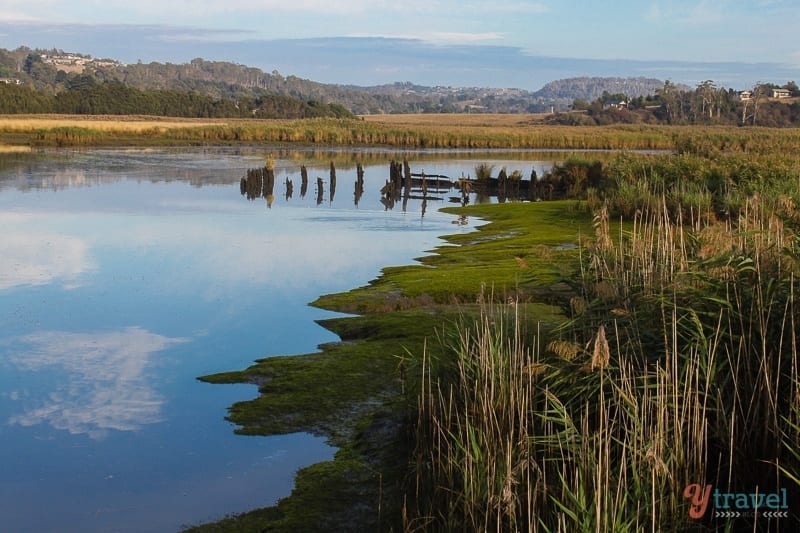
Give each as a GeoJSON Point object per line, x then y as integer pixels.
{"type": "Point", "coordinates": [402, 185]}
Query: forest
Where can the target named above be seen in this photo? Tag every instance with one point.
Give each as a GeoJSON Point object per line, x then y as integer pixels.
{"type": "Point", "coordinates": [707, 104]}
{"type": "Point", "coordinates": [85, 95]}
{"type": "Point", "coordinates": [206, 89]}
{"type": "Point", "coordinates": [56, 91]}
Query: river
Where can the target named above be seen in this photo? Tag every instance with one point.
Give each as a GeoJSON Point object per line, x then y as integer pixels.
{"type": "Point", "coordinates": [125, 274]}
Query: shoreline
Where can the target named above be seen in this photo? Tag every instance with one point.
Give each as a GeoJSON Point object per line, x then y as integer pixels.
{"type": "Point", "coordinates": [353, 392]}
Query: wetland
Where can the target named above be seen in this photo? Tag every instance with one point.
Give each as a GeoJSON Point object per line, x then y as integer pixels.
{"type": "Point", "coordinates": [128, 273]}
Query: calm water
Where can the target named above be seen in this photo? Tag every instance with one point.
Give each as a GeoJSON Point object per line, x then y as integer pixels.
{"type": "Point", "coordinates": [125, 274]}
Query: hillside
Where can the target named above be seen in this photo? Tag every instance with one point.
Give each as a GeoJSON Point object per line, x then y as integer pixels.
{"type": "Point", "coordinates": [562, 93]}
{"type": "Point", "coordinates": [225, 80]}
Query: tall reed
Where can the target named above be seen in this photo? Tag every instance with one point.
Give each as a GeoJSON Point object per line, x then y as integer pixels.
{"type": "Point", "coordinates": [679, 365]}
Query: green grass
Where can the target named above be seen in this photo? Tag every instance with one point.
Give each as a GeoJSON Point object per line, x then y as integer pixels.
{"type": "Point", "coordinates": [678, 365]}
{"type": "Point", "coordinates": [357, 392]}
{"type": "Point", "coordinates": [525, 250]}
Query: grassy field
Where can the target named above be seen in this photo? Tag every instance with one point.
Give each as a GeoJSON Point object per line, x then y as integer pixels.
{"type": "Point", "coordinates": [133, 123]}
{"type": "Point", "coordinates": [458, 120]}
{"type": "Point", "coordinates": [400, 131]}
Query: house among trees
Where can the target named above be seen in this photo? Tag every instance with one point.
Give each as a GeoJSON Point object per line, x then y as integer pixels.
{"type": "Point", "coordinates": [745, 95]}
{"type": "Point", "coordinates": [11, 81]}
{"type": "Point", "coordinates": [616, 104]}
{"type": "Point", "coordinates": [781, 93]}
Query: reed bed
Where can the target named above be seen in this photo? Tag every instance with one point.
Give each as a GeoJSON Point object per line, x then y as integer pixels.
{"type": "Point", "coordinates": [433, 132]}
{"type": "Point", "coordinates": [678, 365]}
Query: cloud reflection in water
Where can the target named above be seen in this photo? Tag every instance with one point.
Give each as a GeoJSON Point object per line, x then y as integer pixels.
{"type": "Point", "coordinates": [34, 256]}
{"type": "Point", "coordinates": [103, 382]}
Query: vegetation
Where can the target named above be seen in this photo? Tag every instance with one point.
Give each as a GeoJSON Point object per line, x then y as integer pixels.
{"type": "Point", "coordinates": [224, 84]}
{"type": "Point", "coordinates": [50, 70]}
{"type": "Point", "coordinates": [594, 380]}
{"type": "Point", "coordinates": [453, 133]}
{"type": "Point", "coordinates": [705, 105]}
{"type": "Point", "coordinates": [678, 365]}
{"type": "Point", "coordinates": [609, 363]}
{"type": "Point", "coordinates": [85, 95]}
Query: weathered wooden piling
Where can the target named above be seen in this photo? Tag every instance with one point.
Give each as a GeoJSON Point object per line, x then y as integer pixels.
{"type": "Point", "coordinates": [333, 182]}
{"type": "Point", "coordinates": [406, 178]}
{"type": "Point", "coordinates": [397, 179]}
{"type": "Point", "coordinates": [269, 181]}
{"type": "Point", "coordinates": [502, 183]}
{"type": "Point", "coordinates": [258, 182]}
{"type": "Point", "coordinates": [289, 188]}
{"type": "Point", "coordinates": [359, 187]}
{"type": "Point", "coordinates": [320, 190]}
{"type": "Point", "coordinates": [303, 181]}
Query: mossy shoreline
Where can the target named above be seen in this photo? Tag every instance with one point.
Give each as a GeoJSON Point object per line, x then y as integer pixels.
{"type": "Point", "coordinates": [353, 392]}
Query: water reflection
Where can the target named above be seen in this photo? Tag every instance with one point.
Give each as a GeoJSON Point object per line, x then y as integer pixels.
{"type": "Point", "coordinates": [102, 381]}
{"type": "Point", "coordinates": [402, 184]}
{"type": "Point", "coordinates": [104, 240]}
{"type": "Point", "coordinates": [34, 256]}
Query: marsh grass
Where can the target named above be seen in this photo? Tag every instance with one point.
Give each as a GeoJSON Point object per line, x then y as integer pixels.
{"type": "Point", "coordinates": [679, 365]}
{"type": "Point", "coordinates": [434, 131]}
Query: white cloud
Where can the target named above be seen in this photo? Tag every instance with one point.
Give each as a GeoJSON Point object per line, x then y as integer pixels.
{"type": "Point", "coordinates": [157, 11]}
{"type": "Point", "coordinates": [688, 12]}
{"type": "Point", "coordinates": [654, 13]}
{"type": "Point", "coordinates": [34, 256]}
{"type": "Point", "coordinates": [103, 385]}
{"type": "Point", "coordinates": [706, 12]}
{"type": "Point", "coordinates": [188, 12]}
{"type": "Point", "coordinates": [462, 37]}
{"type": "Point", "coordinates": [513, 7]}
{"type": "Point", "coordinates": [437, 37]}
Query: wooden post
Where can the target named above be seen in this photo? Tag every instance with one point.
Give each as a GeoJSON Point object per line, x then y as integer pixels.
{"type": "Point", "coordinates": [304, 181]}
{"type": "Point", "coordinates": [407, 176]}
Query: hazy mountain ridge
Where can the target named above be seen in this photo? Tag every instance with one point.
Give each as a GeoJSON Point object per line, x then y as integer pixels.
{"type": "Point", "coordinates": [222, 79]}
{"type": "Point", "coordinates": [590, 89]}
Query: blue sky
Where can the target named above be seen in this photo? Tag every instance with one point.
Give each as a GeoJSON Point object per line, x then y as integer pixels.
{"type": "Point", "coordinates": [496, 43]}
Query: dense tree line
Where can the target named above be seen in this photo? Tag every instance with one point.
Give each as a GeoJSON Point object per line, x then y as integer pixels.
{"type": "Point", "coordinates": [86, 95]}
{"type": "Point", "coordinates": [707, 104]}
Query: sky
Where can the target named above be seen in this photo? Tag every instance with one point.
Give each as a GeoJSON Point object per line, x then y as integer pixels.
{"type": "Point", "coordinates": [478, 43]}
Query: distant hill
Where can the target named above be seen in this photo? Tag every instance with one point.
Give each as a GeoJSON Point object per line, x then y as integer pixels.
{"type": "Point", "coordinates": [224, 80]}
{"type": "Point", "coordinates": [562, 93]}
{"type": "Point", "coordinates": [590, 89]}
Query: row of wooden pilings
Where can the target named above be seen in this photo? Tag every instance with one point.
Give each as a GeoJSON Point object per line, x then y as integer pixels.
{"type": "Point", "coordinates": [402, 184]}
{"type": "Point", "coordinates": [260, 183]}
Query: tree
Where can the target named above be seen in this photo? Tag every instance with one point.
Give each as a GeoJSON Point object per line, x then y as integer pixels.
{"type": "Point", "coordinates": [707, 91]}
{"type": "Point", "coordinates": [792, 88]}
{"type": "Point", "coordinates": [759, 93]}
{"type": "Point", "coordinates": [668, 96]}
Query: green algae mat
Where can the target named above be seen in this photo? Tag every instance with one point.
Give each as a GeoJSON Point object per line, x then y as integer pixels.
{"type": "Point", "coordinates": [360, 391]}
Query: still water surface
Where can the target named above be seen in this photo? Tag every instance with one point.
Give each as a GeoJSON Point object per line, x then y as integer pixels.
{"type": "Point", "coordinates": [125, 274]}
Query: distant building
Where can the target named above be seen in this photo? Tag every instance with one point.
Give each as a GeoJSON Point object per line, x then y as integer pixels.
{"type": "Point", "coordinates": [745, 95]}
{"type": "Point", "coordinates": [616, 104]}
{"type": "Point", "coordinates": [781, 93]}
{"type": "Point", "coordinates": [11, 81]}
